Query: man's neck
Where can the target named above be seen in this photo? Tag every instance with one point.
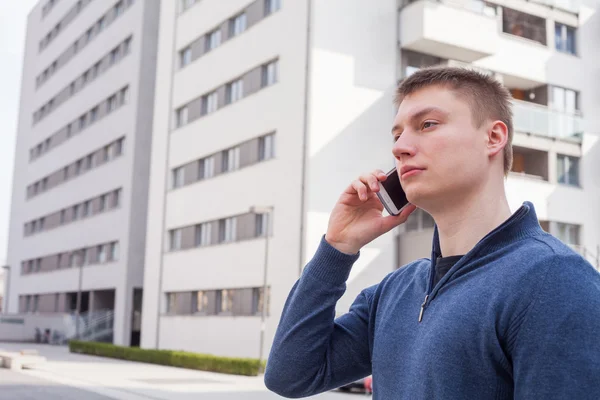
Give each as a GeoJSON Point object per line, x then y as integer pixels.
{"type": "Point", "coordinates": [468, 221]}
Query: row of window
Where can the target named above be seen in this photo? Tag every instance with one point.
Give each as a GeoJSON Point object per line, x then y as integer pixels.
{"type": "Point", "coordinates": [66, 20]}
{"type": "Point", "coordinates": [94, 159]}
{"type": "Point", "coordinates": [103, 203]}
{"type": "Point", "coordinates": [225, 302]}
{"type": "Point", "coordinates": [47, 7]}
{"type": "Point", "coordinates": [233, 91]}
{"type": "Point", "coordinates": [101, 66]}
{"type": "Point", "coordinates": [225, 230]}
{"type": "Point", "coordinates": [91, 255]}
{"type": "Point", "coordinates": [184, 5]}
{"type": "Point", "coordinates": [227, 29]}
{"type": "Point", "coordinates": [89, 117]}
{"type": "Point", "coordinates": [229, 160]}
{"type": "Point", "coordinates": [534, 28]}
{"type": "Point", "coordinates": [82, 41]}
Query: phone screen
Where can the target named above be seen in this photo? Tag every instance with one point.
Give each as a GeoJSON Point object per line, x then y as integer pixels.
{"type": "Point", "coordinates": [395, 191]}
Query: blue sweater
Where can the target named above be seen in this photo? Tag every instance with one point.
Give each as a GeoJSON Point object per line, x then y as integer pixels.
{"type": "Point", "coordinates": [518, 317]}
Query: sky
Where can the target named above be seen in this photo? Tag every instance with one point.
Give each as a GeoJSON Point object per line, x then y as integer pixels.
{"type": "Point", "coordinates": [13, 21]}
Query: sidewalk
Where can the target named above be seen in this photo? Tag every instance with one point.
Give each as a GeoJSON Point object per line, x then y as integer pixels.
{"type": "Point", "coordinates": [127, 380]}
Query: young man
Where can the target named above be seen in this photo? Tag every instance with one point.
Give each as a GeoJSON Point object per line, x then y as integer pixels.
{"type": "Point", "coordinates": [502, 310]}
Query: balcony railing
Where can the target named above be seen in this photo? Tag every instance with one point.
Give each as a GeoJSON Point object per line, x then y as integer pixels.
{"type": "Point", "coordinates": [477, 6]}
{"type": "Point", "coordinates": [539, 120]}
{"type": "Point", "coordinates": [569, 5]}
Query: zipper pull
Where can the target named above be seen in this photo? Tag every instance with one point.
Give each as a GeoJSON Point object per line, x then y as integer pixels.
{"type": "Point", "coordinates": [423, 308]}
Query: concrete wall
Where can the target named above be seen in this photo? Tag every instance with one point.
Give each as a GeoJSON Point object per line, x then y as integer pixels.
{"type": "Point", "coordinates": [274, 183]}
{"type": "Point", "coordinates": [21, 327]}
{"type": "Point", "coordinates": [126, 224]}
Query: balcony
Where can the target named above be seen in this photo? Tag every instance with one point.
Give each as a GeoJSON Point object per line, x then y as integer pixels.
{"type": "Point", "coordinates": [446, 28]}
{"type": "Point", "coordinates": [540, 120]}
{"type": "Point", "coordinates": [567, 5]}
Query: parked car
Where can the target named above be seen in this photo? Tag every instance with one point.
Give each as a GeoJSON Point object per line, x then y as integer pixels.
{"type": "Point", "coordinates": [362, 385]}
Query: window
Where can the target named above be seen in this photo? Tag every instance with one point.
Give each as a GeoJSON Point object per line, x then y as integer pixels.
{"type": "Point", "coordinates": [112, 103]}
{"type": "Point", "coordinates": [27, 303]}
{"type": "Point", "coordinates": [172, 303]}
{"type": "Point", "coordinates": [210, 103]}
{"type": "Point", "coordinates": [271, 6]}
{"type": "Point", "coordinates": [75, 48]}
{"type": "Point", "coordinates": [96, 69]}
{"type": "Point", "coordinates": [88, 34]}
{"type": "Point", "coordinates": [85, 210]}
{"type": "Point", "coordinates": [237, 25]}
{"type": "Point", "coordinates": [100, 24]}
{"type": "Point", "coordinates": [230, 160]}
{"type": "Point", "coordinates": [101, 250]}
{"type": "Point", "coordinates": [207, 168]}
{"type": "Point", "coordinates": [89, 161]}
{"type": "Point", "coordinates": [82, 121]}
{"type": "Point", "coordinates": [524, 25]}
{"type": "Point", "coordinates": [36, 303]}
{"type": "Point", "coordinates": [30, 266]}
{"type": "Point", "coordinates": [102, 203]}
{"type": "Point", "coordinates": [91, 259]}
{"type": "Point", "coordinates": [123, 95]}
{"type": "Point", "coordinates": [83, 259]}
{"type": "Point", "coordinates": [113, 56]}
{"type": "Point", "coordinates": [72, 88]}
{"type": "Point", "coordinates": [93, 114]}
{"type": "Point", "coordinates": [119, 8]}
{"type": "Point", "coordinates": [65, 173]}
{"type": "Point", "coordinates": [227, 230]}
{"type": "Point", "coordinates": [565, 100]}
{"type": "Point", "coordinates": [185, 4]}
{"type": "Point", "coordinates": [116, 198]}
{"type": "Point", "coordinates": [175, 239]}
{"type": "Point", "coordinates": [68, 131]}
{"type": "Point", "coordinates": [258, 299]}
{"type": "Point", "coordinates": [59, 260]}
{"type": "Point", "coordinates": [203, 234]}
{"type": "Point", "coordinates": [126, 46]}
{"type": "Point", "coordinates": [85, 77]}
{"type": "Point", "coordinates": [568, 170]}
{"type": "Point", "coordinates": [114, 251]}
{"type": "Point", "coordinates": [178, 177]}
{"type": "Point", "coordinates": [261, 221]}
{"type": "Point", "coordinates": [63, 216]}
{"type": "Point", "coordinates": [266, 147]}
{"type": "Point", "coordinates": [118, 147]}
{"type": "Point", "coordinates": [44, 184]}
{"type": "Point", "coordinates": [234, 91]}
{"type": "Point", "coordinates": [73, 259]}
{"type": "Point", "coordinates": [182, 116]}
{"type": "Point", "coordinates": [41, 223]}
{"type": "Point", "coordinates": [38, 264]}
{"type": "Point", "coordinates": [36, 188]}
{"type": "Point", "coordinates": [185, 57]}
{"type": "Point", "coordinates": [225, 301]}
{"type": "Point", "coordinates": [269, 73]}
{"type": "Point", "coordinates": [213, 39]}
{"type": "Point", "coordinates": [568, 233]}
{"type": "Point", "coordinates": [78, 167]}
{"type": "Point", "coordinates": [200, 302]}
{"type": "Point", "coordinates": [33, 226]}
{"type": "Point", "coordinates": [564, 37]}
{"type": "Point", "coordinates": [75, 212]}
{"type": "Point", "coordinates": [106, 153]}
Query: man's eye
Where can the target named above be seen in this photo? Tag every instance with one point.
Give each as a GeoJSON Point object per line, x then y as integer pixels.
{"type": "Point", "coordinates": [428, 124]}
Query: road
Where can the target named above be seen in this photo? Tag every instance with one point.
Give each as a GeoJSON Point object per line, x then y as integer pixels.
{"type": "Point", "coordinates": [22, 386]}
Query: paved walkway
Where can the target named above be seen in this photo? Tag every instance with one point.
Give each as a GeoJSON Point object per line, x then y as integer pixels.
{"type": "Point", "coordinates": [127, 380]}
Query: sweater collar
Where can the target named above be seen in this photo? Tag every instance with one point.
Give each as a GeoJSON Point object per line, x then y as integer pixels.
{"type": "Point", "coordinates": [521, 224]}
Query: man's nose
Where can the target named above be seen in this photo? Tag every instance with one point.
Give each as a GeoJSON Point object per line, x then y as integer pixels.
{"type": "Point", "coordinates": [404, 147]}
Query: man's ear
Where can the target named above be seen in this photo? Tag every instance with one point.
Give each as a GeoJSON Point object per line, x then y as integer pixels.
{"type": "Point", "coordinates": [497, 137]}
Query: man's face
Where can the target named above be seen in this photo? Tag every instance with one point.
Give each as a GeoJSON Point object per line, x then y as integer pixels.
{"type": "Point", "coordinates": [434, 132]}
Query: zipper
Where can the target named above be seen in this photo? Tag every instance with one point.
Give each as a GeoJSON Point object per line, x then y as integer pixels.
{"type": "Point", "coordinates": [423, 308]}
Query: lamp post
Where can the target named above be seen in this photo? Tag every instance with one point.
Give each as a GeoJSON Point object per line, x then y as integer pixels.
{"type": "Point", "coordinates": [7, 294]}
{"type": "Point", "coordinates": [267, 212]}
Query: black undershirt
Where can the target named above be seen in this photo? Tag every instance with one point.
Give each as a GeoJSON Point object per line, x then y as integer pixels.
{"type": "Point", "coordinates": [443, 265]}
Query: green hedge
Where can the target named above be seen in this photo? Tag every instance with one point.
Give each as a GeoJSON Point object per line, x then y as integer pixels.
{"type": "Point", "coordinates": [204, 362]}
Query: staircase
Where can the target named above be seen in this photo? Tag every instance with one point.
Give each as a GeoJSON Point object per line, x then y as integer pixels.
{"type": "Point", "coordinates": [95, 326]}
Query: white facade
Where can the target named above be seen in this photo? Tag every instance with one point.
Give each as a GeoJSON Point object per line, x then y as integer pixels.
{"type": "Point", "coordinates": [78, 55]}
{"type": "Point", "coordinates": [331, 110]}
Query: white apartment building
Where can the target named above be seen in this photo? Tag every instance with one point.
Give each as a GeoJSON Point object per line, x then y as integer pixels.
{"type": "Point", "coordinates": [79, 202]}
{"type": "Point", "coordinates": [266, 109]}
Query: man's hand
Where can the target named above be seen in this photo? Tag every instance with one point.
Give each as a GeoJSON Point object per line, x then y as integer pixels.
{"type": "Point", "coordinates": [357, 218]}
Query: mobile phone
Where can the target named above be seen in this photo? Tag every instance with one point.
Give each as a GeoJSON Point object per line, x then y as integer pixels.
{"type": "Point", "coordinates": [391, 194]}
